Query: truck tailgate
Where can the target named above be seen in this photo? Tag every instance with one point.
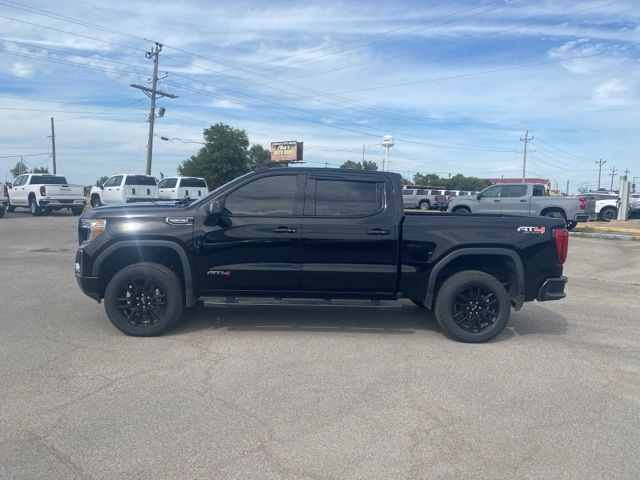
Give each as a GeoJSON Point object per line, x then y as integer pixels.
{"type": "Point", "coordinates": [143, 192]}
{"type": "Point", "coordinates": [64, 191]}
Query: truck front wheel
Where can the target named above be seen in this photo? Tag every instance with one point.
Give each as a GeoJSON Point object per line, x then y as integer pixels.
{"type": "Point", "coordinates": [472, 306]}
{"type": "Point", "coordinates": [144, 299]}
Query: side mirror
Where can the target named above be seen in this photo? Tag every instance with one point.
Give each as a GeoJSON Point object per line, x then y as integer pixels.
{"type": "Point", "coordinates": [215, 207]}
{"type": "Point", "coordinates": [478, 196]}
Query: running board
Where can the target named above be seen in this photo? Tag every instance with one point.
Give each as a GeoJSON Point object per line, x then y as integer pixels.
{"type": "Point", "coordinates": [298, 302]}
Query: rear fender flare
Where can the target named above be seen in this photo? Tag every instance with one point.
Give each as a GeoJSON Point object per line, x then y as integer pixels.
{"type": "Point", "coordinates": [517, 291]}
{"type": "Point", "coordinates": [190, 298]}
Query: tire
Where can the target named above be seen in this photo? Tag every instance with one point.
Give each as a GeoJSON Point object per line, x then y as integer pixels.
{"type": "Point", "coordinates": [95, 201]}
{"type": "Point", "coordinates": [34, 208]}
{"type": "Point", "coordinates": [48, 210]}
{"type": "Point", "coordinates": [571, 225]}
{"type": "Point", "coordinates": [125, 298]}
{"type": "Point", "coordinates": [419, 303]}
{"type": "Point", "coordinates": [424, 205]}
{"type": "Point", "coordinates": [458, 312]}
{"type": "Point", "coordinates": [77, 211]}
{"type": "Point", "coordinates": [608, 213]}
{"type": "Point", "coordinates": [2, 210]}
{"type": "Point", "coordinates": [10, 208]}
{"type": "Point", "coordinates": [462, 210]}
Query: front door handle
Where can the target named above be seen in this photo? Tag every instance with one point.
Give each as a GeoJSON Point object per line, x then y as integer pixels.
{"type": "Point", "coordinates": [377, 231]}
{"type": "Point", "coordinates": [522, 201]}
{"type": "Point", "coordinates": [496, 200]}
{"type": "Point", "coordinates": [283, 229]}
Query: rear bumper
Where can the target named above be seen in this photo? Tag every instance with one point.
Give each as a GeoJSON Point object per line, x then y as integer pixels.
{"type": "Point", "coordinates": [63, 203]}
{"type": "Point", "coordinates": [552, 289]}
{"type": "Point", "coordinates": [141, 199]}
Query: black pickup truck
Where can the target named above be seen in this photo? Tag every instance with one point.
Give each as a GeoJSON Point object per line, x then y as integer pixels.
{"type": "Point", "coordinates": [296, 234]}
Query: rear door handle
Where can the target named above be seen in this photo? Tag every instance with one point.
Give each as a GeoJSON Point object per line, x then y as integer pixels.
{"type": "Point", "coordinates": [496, 200]}
{"type": "Point", "coordinates": [377, 231]}
{"type": "Point", "coordinates": [283, 229]}
{"type": "Point", "coordinates": [522, 201]}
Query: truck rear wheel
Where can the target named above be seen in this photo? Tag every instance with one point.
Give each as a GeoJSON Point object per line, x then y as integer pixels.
{"type": "Point", "coordinates": [424, 205]}
{"type": "Point", "coordinates": [2, 209]}
{"type": "Point", "coordinates": [34, 208]}
{"type": "Point", "coordinates": [472, 306]}
{"type": "Point", "coordinates": [144, 299]}
{"type": "Point", "coordinates": [77, 210]}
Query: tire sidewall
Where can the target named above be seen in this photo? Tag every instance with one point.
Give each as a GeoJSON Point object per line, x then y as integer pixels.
{"type": "Point", "coordinates": [452, 287]}
{"type": "Point", "coordinates": [33, 207]}
{"type": "Point", "coordinates": [168, 283]}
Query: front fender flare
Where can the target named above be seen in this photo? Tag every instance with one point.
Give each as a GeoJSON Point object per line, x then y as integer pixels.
{"type": "Point", "coordinates": [190, 298]}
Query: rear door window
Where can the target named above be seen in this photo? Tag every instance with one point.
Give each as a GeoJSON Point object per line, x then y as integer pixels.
{"type": "Point", "coordinates": [348, 198]}
{"type": "Point", "coordinates": [514, 191]}
{"type": "Point", "coordinates": [193, 182]}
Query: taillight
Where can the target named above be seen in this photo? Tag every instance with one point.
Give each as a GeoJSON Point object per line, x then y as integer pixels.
{"type": "Point", "coordinates": [582, 201]}
{"type": "Point", "coordinates": [43, 190]}
{"type": "Point", "coordinates": [561, 240]}
{"type": "Point", "coordinates": [5, 191]}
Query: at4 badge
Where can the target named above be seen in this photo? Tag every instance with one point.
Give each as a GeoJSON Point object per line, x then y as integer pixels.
{"type": "Point", "coordinates": [536, 230]}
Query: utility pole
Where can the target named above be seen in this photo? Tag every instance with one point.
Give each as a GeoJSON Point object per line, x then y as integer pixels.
{"type": "Point", "coordinates": [567, 190]}
{"type": "Point", "coordinates": [626, 172]}
{"type": "Point", "coordinates": [612, 175]}
{"type": "Point", "coordinates": [153, 93]}
{"type": "Point", "coordinates": [53, 146]}
{"type": "Point", "coordinates": [363, 147]}
{"type": "Point", "coordinates": [526, 140]}
{"type": "Point", "coordinates": [600, 163]}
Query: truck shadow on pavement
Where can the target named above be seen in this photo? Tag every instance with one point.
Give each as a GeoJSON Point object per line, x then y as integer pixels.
{"type": "Point", "coordinates": [408, 320]}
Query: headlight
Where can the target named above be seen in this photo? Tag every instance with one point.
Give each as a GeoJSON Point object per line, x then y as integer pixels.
{"type": "Point", "coordinates": [94, 227]}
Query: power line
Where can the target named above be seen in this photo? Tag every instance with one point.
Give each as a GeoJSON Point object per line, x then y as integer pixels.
{"type": "Point", "coordinates": [484, 72]}
{"type": "Point", "coordinates": [25, 155]}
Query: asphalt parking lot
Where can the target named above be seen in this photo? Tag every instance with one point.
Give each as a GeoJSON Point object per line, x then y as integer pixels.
{"type": "Point", "coordinates": [314, 393]}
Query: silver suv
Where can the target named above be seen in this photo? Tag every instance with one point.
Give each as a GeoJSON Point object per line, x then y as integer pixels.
{"type": "Point", "coordinates": [423, 198]}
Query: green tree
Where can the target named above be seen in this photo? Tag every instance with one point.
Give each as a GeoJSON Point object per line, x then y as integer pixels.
{"type": "Point", "coordinates": [405, 181]}
{"type": "Point", "coordinates": [101, 181]}
{"type": "Point", "coordinates": [19, 169]}
{"type": "Point", "coordinates": [428, 179]}
{"type": "Point", "coordinates": [224, 156]}
{"type": "Point", "coordinates": [460, 182]}
{"type": "Point", "coordinates": [369, 165]}
{"type": "Point", "coordinates": [40, 170]}
{"type": "Point", "coordinates": [352, 165]}
{"type": "Point", "coordinates": [260, 156]}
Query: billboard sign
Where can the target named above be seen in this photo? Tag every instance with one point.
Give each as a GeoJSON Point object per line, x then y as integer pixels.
{"type": "Point", "coordinates": [286, 152]}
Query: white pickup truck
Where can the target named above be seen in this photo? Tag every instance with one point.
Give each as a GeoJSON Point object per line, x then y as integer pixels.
{"type": "Point", "coordinates": [43, 193]}
{"type": "Point", "coordinates": [125, 188]}
{"type": "Point", "coordinates": [182, 188]}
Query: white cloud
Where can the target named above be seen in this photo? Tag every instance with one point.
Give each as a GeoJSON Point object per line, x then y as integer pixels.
{"type": "Point", "coordinates": [611, 93]}
{"type": "Point", "coordinates": [22, 70]}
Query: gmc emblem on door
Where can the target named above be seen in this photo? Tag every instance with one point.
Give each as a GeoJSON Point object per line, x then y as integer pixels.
{"type": "Point", "coordinates": [221, 273]}
{"type": "Point", "coordinates": [536, 230]}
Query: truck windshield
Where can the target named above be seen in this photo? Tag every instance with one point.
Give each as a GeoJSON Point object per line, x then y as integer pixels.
{"type": "Point", "coordinates": [47, 180]}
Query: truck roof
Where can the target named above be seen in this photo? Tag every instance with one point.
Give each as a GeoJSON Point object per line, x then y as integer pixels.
{"type": "Point", "coordinates": [329, 170]}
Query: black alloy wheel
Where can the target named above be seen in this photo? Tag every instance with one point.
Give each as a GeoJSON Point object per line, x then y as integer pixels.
{"type": "Point", "coordinates": [475, 308]}
{"type": "Point", "coordinates": [142, 302]}
{"type": "Point", "coordinates": [472, 306]}
{"type": "Point", "coordinates": [144, 299]}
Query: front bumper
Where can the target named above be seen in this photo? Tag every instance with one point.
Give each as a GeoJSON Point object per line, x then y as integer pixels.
{"type": "Point", "coordinates": [552, 289]}
{"type": "Point", "coordinates": [89, 286]}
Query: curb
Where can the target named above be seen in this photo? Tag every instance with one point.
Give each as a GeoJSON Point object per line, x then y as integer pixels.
{"type": "Point", "coordinates": [605, 236]}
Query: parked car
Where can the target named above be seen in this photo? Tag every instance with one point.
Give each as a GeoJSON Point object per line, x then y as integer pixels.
{"type": "Point", "coordinates": [422, 198]}
{"type": "Point", "coordinates": [182, 188]}
{"type": "Point", "coordinates": [606, 206]}
{"type": "Point", "coordinates": [526, 199]}
{"type": "Point", "coordinates": [125, 188]}
{"type": "Point", "coordinates": [43, 193]}
{"type": "Point", "coordinates": [4, 199]}
{"type": "Point", "coordinates": [323, 234]}
{"type": "Point", "coordinates": [634, 203]}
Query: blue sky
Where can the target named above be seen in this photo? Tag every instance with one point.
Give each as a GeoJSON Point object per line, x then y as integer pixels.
{"type": "Point", "coordinates": [456, 83]}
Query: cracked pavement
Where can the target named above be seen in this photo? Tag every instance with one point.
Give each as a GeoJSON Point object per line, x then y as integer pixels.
{"type": "Point", "coordinates": [311, 393]}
